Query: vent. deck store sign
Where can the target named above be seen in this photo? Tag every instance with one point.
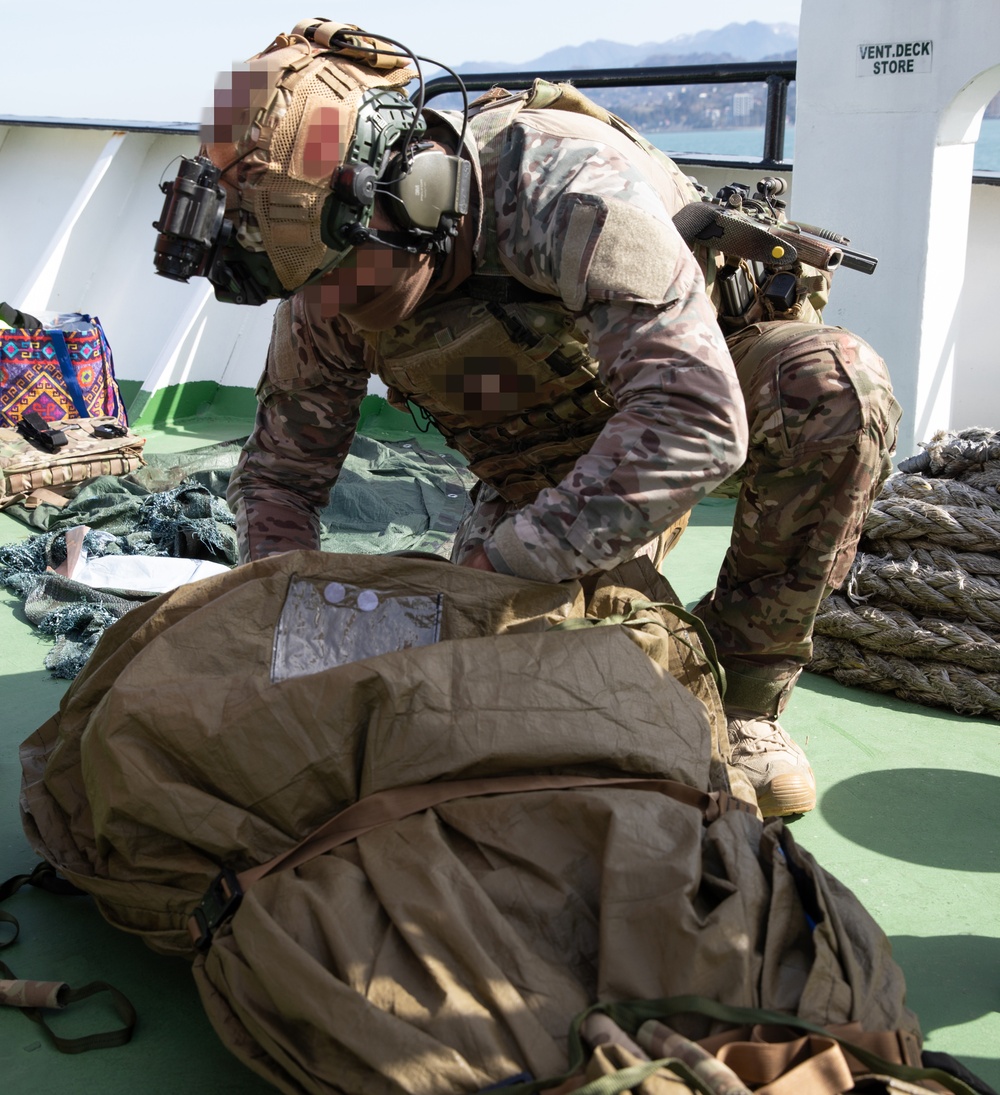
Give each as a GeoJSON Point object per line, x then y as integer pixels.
{"type": "Point", "coordinates": [894, 58]}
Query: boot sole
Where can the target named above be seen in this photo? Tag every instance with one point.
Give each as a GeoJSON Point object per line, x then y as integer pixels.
{"type": "Point", "coordinates": [787, 794]}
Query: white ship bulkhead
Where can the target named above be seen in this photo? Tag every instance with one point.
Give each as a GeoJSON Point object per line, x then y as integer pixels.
{"type": "Point", "coordinates": [890, 95]}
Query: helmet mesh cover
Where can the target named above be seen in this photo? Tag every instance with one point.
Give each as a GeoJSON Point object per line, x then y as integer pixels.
{"type": "Point", "coordinates": [294, 141]}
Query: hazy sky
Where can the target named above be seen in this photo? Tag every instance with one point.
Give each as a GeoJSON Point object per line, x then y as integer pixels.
{"type": "Point", "coordinates": [158, 61]}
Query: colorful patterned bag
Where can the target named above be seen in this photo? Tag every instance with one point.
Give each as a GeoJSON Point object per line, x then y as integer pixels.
{"type": "Point", "coordinates": [60, 370]}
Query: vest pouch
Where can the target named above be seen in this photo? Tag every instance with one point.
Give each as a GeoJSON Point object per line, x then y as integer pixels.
{"type": "Point", "coordinates": [512, 387]}
{"type": "Point", "coordinates": [459, 362]}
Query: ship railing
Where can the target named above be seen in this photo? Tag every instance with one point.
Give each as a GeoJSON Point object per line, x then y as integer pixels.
{"type": "Point", "coordinates": [775, 75]}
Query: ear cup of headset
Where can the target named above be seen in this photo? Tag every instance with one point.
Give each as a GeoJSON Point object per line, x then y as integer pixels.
{"type": "Point", "coordinates": [434, 186]}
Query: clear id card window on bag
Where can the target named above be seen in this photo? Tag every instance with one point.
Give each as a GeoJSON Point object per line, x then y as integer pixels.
{"type": "Point", "coordinates": [325, 624]}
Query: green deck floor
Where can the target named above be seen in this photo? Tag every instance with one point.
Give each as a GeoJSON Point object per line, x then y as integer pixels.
{"type": "Point", "coordinates": [908, 817]}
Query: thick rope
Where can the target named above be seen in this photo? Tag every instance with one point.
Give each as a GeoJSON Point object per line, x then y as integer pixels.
{"type": "Point", "coordinates": [928, 554]}
{"type": "Point", "coordinates": [919, 614]}
{"type": "Point", "coordinates": [950, 592]}
{"type": "Point", "coordinates": [962, 528]}
{"type": "Point", "coordinates": [953, 454]}
{"type": "Point", "coordinates": [936, 684]}
{"type": "Point", "coordinates": [942, 492]}
{"type": "Point", "coordinates": [895, 631]}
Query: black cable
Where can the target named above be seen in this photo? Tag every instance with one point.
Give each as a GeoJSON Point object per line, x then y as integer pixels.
{"type": "Point", "coordinates": [405, 51]}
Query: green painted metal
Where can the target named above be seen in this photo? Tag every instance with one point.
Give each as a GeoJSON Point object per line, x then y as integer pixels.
{"type": "Point", "coordinates": [182, 402]}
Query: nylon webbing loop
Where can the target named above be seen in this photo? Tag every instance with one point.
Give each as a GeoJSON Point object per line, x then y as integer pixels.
{"type": "Point", "coordinates": [43, 877]}
{"type": "Point", "coordinates": [33, 998]}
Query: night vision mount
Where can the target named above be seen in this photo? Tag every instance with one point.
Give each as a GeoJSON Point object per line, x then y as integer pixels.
{"type": "Point", "coordinates": [196, 240]}
{"type": "Point", "coordinates": [428, 191]}
{"type": "Point", "coordinates": [425, 189]}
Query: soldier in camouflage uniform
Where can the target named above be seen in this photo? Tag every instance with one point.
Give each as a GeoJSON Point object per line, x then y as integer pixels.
{"type": "Point", "coordinates": [567, 347]}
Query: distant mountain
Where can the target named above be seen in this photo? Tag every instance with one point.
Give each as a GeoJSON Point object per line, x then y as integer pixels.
{"type": "Point", "coordinates": [712, 58]}
{"type": "Point", "coordinates": [752, 41]}
{"type": "Point", "coordinates": [745, 41]}
{"type": "Point", "coordinates": [658, 109]}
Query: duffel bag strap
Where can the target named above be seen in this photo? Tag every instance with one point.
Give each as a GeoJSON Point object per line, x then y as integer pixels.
{"type": "Point", "coordinates": [68, 370]}
{"type": "Point", "coordinates": [382, 807]}
{"type": "Point", "coordinates": [811, 1065]}
{"type": "Point", "coordinates": [35, 997]}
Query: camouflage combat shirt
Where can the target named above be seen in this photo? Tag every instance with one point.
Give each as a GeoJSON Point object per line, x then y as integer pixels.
{"type": "Point", "coordinates": [583, 216]}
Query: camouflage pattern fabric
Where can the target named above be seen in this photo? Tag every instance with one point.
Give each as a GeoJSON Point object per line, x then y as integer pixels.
{"type": "Point", "coordinates": [823, 425]}
{"type": "Point", "coordinates": [309, 399]}
{"type": "Point", "coordinates": [679, 425]}
{"type": "Point", "coordinates": [572, 219]}
{"type": "Point", "coordinates": [659, 1040]}
{"type": "Point", "coordinates": [32, 994]}
{"type": "Point", "coordinates": [25, 468]}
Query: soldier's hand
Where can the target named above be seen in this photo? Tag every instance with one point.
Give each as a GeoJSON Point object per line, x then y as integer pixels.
{"type": "Point", "coordinates": [479, 560]}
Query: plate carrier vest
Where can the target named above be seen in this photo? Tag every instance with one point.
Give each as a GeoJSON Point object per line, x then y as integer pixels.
{"type": "Point", "coordinates": [502, 370]}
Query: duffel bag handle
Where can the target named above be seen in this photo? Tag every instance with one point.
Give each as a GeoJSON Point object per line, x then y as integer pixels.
{"type": "Point", "coordinates": [14, 317]}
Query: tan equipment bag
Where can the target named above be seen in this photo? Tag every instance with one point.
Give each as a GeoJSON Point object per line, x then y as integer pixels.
{"type": "Point", "coordinates": [30, 474]}
{"type": "Point", "coordinates": [545, 821]}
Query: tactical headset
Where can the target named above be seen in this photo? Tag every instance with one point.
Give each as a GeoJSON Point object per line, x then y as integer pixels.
{"type": "Point", "coordinates": [427, 190]}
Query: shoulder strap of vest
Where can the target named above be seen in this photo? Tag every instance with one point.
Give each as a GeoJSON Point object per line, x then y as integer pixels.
{"type": "Point", "coordinates": [488, 121]}
{"type": "Point", "coordinates": [489, 118]}
{"type": "Point", "coordinates": [567, 97]}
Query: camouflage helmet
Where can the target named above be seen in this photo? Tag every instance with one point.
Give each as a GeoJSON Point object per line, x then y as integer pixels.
{"type": "Point", "coordinates": [312, 120]}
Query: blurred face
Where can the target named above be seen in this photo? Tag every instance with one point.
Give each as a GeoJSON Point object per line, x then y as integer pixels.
{"type": "Point", "coordinates": [375, 286]}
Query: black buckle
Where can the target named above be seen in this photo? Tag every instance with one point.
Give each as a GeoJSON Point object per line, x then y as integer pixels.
{"type": "Point", "coordinates": [33, 427]}
{"type": "Point", "coordinates": [108, 430]}
{"type": "Point", "coordinates": [220, 902]}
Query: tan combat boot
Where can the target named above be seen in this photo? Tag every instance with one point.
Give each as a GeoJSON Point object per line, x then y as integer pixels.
{"type": "Point", "coordinates": [776, 767]}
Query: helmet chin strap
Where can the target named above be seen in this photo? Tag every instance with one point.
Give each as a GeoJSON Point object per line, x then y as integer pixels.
{"type": "Point", "coordinates": [439, 242]}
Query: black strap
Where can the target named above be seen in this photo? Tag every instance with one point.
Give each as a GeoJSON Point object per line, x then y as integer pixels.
{"type": "Point", "coordinates": [14, 317]}
{"type": "Point", "coordinates": [947, 1063]}
{"type": "Point", "coordinates": [44, 877]}
{"type": "Point", "coordinates": [500, 289]}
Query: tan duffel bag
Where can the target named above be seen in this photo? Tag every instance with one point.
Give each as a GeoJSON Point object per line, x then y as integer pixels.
{"type": "Point", "coordinates": [515, 800]}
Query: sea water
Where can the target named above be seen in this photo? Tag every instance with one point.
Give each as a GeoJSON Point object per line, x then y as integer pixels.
{"type": "Point", "coordinates": [749, 142]}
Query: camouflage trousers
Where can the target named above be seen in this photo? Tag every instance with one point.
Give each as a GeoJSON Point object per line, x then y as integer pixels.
{"type": "Point", "coordinates": [823, 421]}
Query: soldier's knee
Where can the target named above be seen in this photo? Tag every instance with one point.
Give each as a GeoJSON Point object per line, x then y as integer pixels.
{"type": "Point", "coordinates": [820, 389]}
{"type": "Point", "coordinates": [870, 377]}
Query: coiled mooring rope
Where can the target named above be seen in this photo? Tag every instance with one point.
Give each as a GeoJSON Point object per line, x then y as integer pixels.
{"type": "Point", "coordinates": [919, 614]}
